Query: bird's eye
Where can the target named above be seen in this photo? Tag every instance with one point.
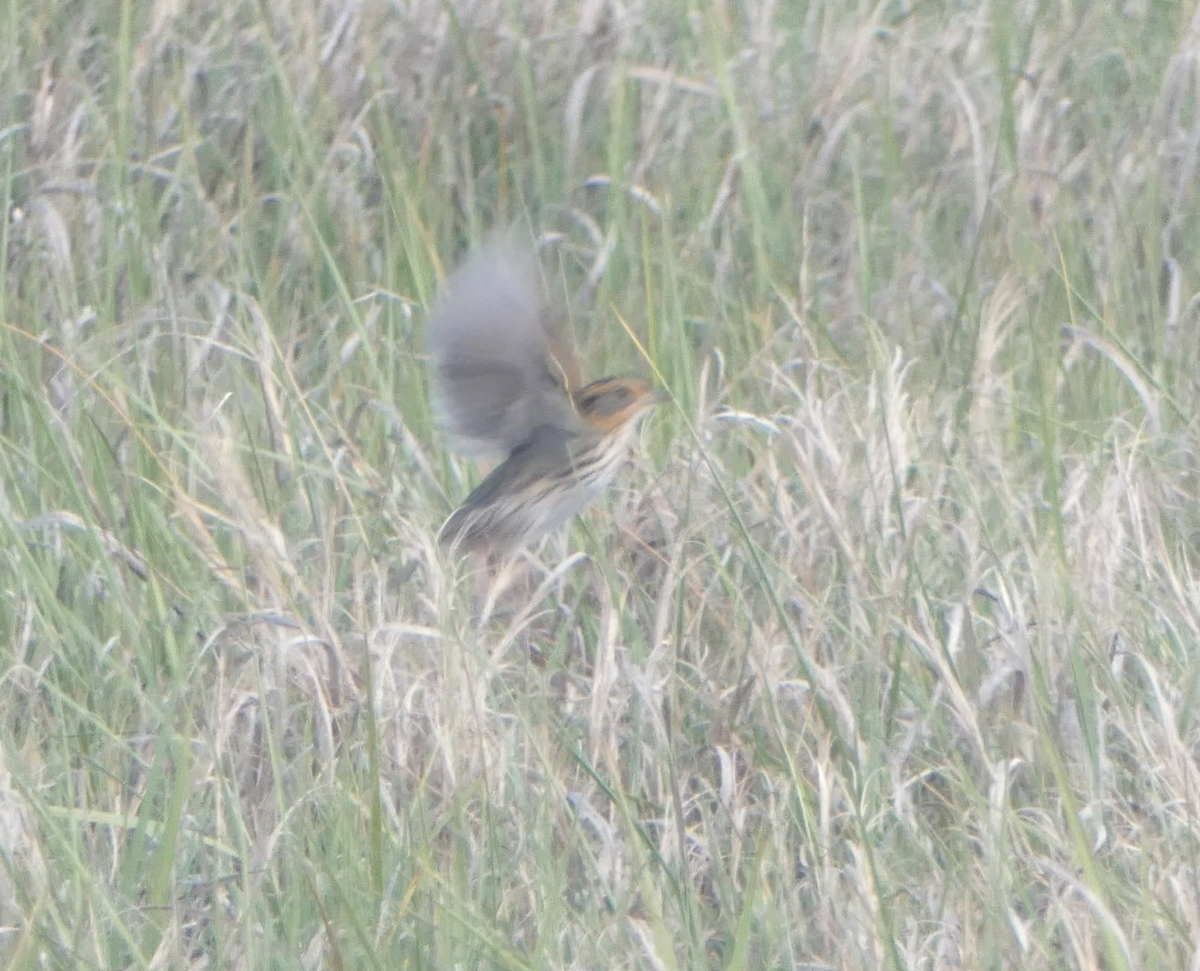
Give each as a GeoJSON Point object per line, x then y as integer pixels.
{"type": "Point", "coordinates": [621, 393]}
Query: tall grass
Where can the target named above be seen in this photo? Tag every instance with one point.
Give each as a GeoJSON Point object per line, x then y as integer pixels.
{"type": "Point", "coordinates": [883, 653]}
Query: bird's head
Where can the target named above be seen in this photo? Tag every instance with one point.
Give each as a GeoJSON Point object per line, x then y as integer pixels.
{"type": "Point", "coordinates": [611, 403]}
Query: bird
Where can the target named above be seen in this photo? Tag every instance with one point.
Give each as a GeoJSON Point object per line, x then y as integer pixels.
{"type": "Point", "coordinates": [505, 382]}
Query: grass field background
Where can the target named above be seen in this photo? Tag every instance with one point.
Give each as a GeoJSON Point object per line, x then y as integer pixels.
{"type": "Point", "coordinates": [883, 653]}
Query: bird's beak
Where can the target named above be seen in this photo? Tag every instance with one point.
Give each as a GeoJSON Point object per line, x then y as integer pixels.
{"type": "Point", "coordinates": [660, 398]}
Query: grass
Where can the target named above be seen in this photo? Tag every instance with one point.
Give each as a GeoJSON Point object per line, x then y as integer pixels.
{"type": "Point", "coordinates": [883, 654]}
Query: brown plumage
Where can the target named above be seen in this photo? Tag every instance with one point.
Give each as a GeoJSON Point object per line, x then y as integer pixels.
{"type": "Point", "coordinates": [505, 381]}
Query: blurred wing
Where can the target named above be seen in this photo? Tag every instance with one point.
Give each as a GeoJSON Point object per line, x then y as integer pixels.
{"type": "Point", "coordinates": [498, 369]}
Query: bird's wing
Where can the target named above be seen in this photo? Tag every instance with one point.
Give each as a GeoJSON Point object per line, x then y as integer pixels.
{"type": "Point", "coordinates": [499, 366]}
{"type": "Point", "coordinates": [507, 507]}
{"type": "Point", "coordinates": [542, 457]}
